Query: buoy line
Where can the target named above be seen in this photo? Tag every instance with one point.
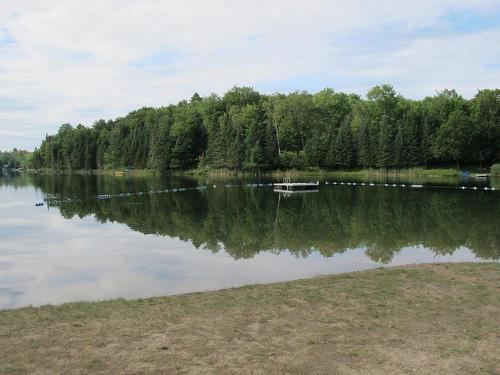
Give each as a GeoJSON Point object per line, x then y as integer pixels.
{"type": "Point", "coordinates": [50, 201]}
{"type": "Point", "coordinates": [415, 186]}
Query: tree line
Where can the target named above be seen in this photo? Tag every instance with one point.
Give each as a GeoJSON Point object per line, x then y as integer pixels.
{"type": "Point", "coordinates": [247, 130]}
{"type": "Point", "coordinates": [15, 159]}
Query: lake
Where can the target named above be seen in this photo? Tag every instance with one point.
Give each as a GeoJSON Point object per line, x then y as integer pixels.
{"type": "Point", "coordinates": [151, 239]}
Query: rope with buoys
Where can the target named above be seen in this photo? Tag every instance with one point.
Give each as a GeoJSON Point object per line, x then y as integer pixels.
{"type": "Point", "coordinates": [50, 201]}
{"type": "Point", "coordinates": [415, 186]}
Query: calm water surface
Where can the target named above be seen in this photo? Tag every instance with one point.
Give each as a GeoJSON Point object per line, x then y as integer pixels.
{"type": "Point", "coordinates": [230, 234]}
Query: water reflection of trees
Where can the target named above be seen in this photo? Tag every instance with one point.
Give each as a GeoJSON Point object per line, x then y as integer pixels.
{"type": "Point", "coordinates": [245, 221]}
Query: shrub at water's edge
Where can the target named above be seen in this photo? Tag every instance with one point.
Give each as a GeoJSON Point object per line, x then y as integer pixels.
{"type": "Point", "coordinates": [406, 174]}
{"type": "Point", "coordinates": [370, 173]}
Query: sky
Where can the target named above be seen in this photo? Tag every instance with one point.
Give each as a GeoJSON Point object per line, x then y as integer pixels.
{"type": "Point", "coordinates": [78, 61]}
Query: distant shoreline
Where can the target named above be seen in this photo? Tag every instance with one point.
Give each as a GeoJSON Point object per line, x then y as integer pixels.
{"type": "Point", "coordinates": [360, 173]}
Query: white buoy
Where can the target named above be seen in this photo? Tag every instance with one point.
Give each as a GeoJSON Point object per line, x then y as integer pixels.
{"type": "Point", "coordinates": [372, 184]}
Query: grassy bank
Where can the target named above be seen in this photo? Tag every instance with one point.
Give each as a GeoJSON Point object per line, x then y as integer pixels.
{"type": "Point", "coordinates": [375, 174]}
{"type": "Point", "coordinates": [105, 172]}
{"type": "Point", "coordinates": [423, 319]}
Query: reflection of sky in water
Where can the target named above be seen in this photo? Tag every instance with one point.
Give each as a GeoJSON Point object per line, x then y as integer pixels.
{"type": "Point", "coordinates": [45, 258]}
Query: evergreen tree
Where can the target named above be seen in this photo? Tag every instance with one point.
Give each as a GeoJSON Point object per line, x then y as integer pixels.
{"type": "Point", "coordinates": [426, 143]}
{"type": "Point", "coordinates": [344, 145]}
{"type": "Point", "coordinates": [453, 139]}
{"type": "Point", "coordinates": [270, 147]}
{"type": "Point", "coordinates": [365, 146]}
{"type": "Point", "coordinates": [385, 144]}
{"type": "Point", "coordinates": [400, 148]}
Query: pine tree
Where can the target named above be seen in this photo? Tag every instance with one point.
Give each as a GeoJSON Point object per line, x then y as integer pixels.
{"type": "Point", "coordinates": [385, 144]}
{"type": "Point", "coordinates": [426, 142]}
{"type": "Point", "coordinates": [344, 145]}
{"type": "Point", "coordinates": [364, 146]}
{"type": "Point", "coordinates": [270, 146]}
{"type": "Point", "coordinates": [400, 154]}
{"type": "Point", "coordinates": [413, 150]}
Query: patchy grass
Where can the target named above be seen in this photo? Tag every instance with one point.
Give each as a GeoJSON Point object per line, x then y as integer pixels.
{"type": "Point", "coordinates": [426, 319]}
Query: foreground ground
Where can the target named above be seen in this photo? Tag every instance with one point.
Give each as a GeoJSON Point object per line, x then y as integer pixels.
{"type": "Point", "coordinates": [428, 319]}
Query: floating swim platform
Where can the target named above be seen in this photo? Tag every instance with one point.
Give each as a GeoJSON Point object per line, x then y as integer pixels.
{"type": "Point", "coordinates": [296, 187]}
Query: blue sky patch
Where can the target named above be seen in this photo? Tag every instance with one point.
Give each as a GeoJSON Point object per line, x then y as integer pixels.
{"type": "Point", "coordinates": [158, 60]}
{"type": "Point", "coordinates": [5, 37]}
{"type": "Point", "coordinates": [468, 21]}
{"type": "Point", "coordinates": [70, 56]}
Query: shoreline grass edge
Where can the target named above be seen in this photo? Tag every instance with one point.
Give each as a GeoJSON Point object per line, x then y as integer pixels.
{"type": "Point", "coordinates": [441, 317]}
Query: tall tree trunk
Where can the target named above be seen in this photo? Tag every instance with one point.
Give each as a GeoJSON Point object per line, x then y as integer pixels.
{"type": "Point", "coordinates": [277, 136]}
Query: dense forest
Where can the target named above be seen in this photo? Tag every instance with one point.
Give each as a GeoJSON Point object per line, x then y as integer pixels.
{"type": "Point", "coordinates": [15, 159]}
{"type": "Point", "coordinates": [246, 130]}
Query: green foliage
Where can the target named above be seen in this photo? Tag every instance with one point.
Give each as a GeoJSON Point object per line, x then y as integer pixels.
{"type": "Point", "coordinates": [16, 159]}
{"type": "Point", "coordinates": [385, 143]}
{"type": "Point", "coordinates": [454, 137]}
{"type": "Point", "coordinates": [495, 170]}
{"type": "Point", "coordinates": [365, 146]}
{"type": "Point", "coordinates": [246, 130]}
{"type": "Point", "coordinates": [292, 160]}
{"type": "Point", "coordinates": [344, 146]}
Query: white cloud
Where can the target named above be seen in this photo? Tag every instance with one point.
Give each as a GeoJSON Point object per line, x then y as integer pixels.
{"type": "Point", "coordinates": [77, 61]}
